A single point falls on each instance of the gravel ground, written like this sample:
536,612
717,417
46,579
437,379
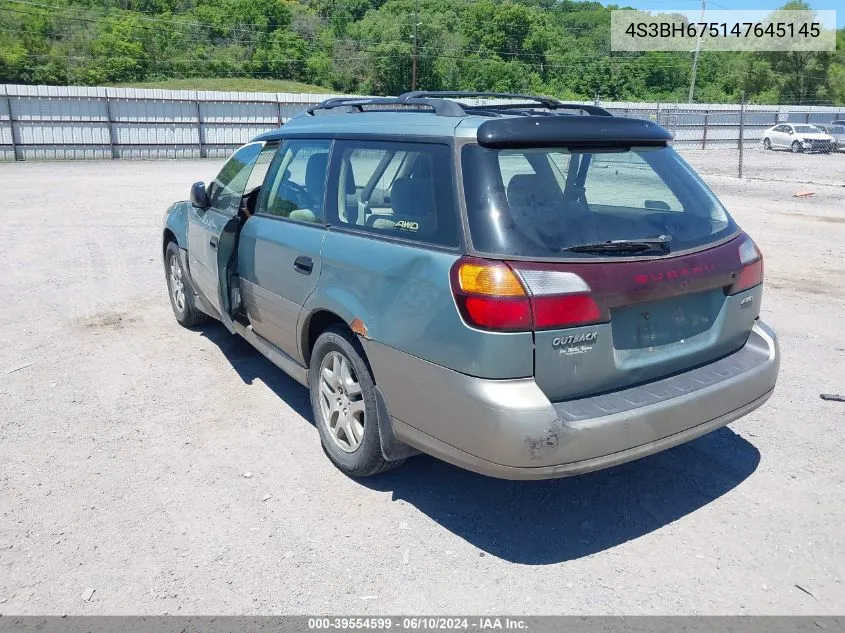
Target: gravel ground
774,165
145,468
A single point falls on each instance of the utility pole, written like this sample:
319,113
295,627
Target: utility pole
741,142
414,53
695,57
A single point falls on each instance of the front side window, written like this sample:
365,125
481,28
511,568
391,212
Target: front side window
397,189
258,175
296,183
542,202
225,191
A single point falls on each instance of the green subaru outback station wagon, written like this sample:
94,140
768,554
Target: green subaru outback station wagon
522,287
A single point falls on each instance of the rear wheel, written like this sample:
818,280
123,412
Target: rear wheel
767,144
180,289
796,147
343,399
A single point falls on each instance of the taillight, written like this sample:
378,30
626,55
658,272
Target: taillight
752,267
565,311
490,296
493,295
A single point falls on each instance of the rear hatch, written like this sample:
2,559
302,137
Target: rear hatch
631,268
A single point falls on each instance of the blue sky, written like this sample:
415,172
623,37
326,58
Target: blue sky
758,5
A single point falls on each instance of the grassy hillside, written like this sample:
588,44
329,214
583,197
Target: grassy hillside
555,47
228,84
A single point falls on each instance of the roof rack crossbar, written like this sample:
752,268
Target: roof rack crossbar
440,106
592,110
445,94
547,102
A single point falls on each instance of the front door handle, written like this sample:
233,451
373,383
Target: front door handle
213,243
303,264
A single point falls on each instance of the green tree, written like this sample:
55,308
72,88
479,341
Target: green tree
282,55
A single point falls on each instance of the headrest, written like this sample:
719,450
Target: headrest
412,197
528,190
315,175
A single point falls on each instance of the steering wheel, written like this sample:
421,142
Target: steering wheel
296,193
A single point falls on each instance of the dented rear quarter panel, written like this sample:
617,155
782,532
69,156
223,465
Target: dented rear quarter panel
401,293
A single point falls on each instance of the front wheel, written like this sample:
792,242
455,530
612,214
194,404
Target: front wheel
796,147
343,399
767,144
180,289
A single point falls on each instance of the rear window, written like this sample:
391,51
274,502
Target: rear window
540,202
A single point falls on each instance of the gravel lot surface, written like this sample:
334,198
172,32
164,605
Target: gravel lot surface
145,468
774,165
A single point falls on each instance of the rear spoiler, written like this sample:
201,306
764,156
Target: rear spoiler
571,131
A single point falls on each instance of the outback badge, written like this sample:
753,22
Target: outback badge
575,343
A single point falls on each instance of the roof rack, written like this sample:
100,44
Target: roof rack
441,102
545,102
440,106
451,94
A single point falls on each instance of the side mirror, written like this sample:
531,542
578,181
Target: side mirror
790,132
199,196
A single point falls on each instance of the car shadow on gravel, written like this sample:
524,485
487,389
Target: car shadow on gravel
538,522
545,522
249,364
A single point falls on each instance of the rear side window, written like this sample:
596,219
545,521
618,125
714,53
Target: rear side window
397,189
542,202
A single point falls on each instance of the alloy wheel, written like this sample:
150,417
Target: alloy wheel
177,284
341,402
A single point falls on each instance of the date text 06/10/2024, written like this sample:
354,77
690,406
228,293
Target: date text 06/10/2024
421,623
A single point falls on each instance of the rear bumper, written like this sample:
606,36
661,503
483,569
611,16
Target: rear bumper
509,429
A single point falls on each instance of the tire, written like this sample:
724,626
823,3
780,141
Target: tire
351,441
796,147
767,144
183,303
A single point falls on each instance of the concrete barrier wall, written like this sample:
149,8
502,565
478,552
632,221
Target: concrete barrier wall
70,122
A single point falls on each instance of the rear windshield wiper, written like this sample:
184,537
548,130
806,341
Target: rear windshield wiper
624,246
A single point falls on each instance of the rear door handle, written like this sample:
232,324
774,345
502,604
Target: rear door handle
303,264
213,243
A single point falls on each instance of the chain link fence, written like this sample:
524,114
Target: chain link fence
746,141
53,123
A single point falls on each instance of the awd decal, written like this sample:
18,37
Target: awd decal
407,225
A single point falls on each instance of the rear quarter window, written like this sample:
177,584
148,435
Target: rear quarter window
402,190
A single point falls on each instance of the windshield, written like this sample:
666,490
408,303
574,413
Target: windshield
541,202
835,129
807,129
